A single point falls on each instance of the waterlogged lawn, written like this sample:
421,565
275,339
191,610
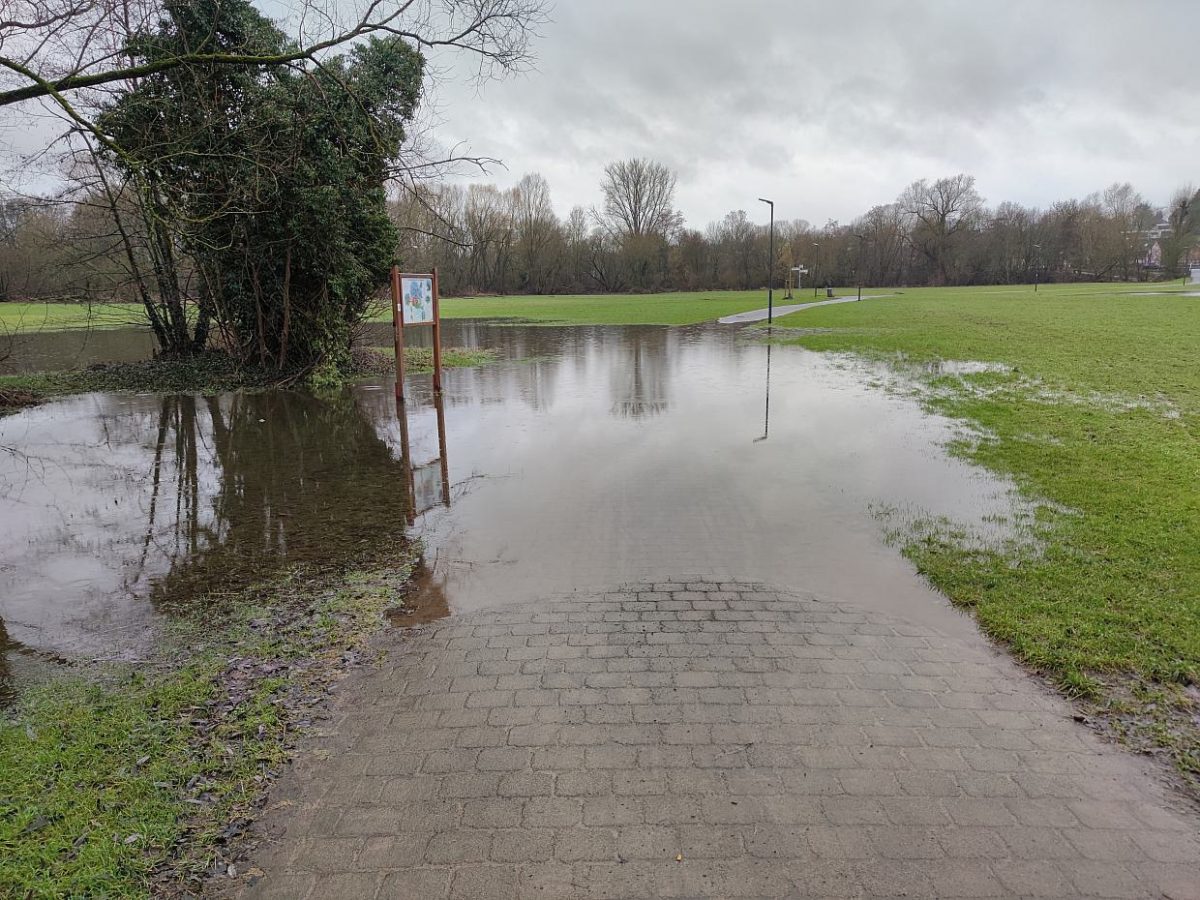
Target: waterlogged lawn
134,784
684,308
1095,409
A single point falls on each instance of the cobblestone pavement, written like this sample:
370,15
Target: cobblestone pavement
713,740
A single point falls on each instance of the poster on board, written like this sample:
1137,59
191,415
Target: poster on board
416,299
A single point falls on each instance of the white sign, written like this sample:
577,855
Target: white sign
416,300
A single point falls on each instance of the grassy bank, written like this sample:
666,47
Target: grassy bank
138,780
18,318
1093,408
682,308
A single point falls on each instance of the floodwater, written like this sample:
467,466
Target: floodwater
587,458
49,351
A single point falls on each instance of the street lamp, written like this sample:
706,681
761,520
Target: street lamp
770,265
816,266
1036,256
862,242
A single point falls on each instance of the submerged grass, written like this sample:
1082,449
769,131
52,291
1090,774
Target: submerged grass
138,779
419,360
1095,413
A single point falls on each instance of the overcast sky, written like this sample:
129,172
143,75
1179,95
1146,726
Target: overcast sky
830,107
826,106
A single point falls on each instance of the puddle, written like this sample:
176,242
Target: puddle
595,456
43,351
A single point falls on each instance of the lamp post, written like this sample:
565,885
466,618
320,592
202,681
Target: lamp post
816,266
770,265
862,242
1037,252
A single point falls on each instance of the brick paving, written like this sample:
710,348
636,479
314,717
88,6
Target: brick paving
698,739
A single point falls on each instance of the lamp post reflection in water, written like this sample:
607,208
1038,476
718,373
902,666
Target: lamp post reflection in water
767,408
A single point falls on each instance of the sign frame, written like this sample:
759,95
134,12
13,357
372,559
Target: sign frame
398,326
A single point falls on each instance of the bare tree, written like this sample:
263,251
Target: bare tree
51,48
537,231
938,212
639,198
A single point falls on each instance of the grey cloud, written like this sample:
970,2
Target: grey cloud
831,107
834,106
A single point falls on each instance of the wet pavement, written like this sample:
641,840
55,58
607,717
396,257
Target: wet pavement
704,739
761,315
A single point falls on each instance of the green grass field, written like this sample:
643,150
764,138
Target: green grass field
1099,414
18,318
604,309
675,308
582,309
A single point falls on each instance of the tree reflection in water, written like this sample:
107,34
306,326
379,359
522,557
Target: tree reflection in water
175,500
300,480
641,375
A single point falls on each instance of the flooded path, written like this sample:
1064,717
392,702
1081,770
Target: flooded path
639,452
592,456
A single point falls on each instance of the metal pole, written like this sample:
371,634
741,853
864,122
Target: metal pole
816,266
862,242
771,272
770,265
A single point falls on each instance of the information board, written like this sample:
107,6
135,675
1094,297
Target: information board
416,298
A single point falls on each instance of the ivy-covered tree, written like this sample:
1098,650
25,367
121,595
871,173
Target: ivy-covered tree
268,181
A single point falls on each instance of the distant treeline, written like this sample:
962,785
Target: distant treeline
485,240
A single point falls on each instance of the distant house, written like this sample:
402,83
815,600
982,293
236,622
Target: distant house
1153,238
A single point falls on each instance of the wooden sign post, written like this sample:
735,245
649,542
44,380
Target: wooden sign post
415,302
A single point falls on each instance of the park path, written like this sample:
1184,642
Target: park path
700,739
760,315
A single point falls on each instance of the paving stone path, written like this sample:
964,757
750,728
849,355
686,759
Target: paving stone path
760,315
696,739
